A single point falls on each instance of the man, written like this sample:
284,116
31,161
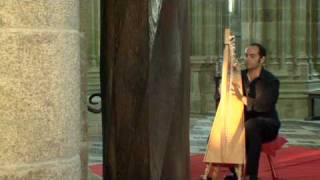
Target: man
260,94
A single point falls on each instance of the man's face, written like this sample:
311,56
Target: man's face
253,59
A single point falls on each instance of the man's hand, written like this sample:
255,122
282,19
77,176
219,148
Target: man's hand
236,90
237,93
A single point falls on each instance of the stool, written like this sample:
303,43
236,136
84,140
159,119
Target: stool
270,149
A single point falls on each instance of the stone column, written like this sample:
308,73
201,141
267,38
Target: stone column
295,69
287,60
222,22
260,24
40,90
208,20
301,38
95,31
91,25
145,89
315,38
271,31
286,36
209,27
258,31
85,60
246,24
197,26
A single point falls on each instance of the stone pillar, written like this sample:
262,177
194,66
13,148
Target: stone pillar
301,39
263,16
90,23
271,31
85,60
246,24
258,31
294,73
209,27
287,60
197,26
222,23
259,23
315,38
207,23
95,31
286,38
40,90
208,20
145,89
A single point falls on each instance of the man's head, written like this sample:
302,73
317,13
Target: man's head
255,56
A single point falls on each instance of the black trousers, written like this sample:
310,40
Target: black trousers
258,131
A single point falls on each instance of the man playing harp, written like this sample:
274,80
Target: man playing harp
258,92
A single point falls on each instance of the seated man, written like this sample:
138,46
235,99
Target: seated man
261,91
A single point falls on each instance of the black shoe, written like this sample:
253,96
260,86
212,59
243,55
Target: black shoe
231,177
253,177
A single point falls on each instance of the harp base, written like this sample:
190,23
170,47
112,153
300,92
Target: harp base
216,168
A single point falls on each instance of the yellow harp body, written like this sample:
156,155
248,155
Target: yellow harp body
226,143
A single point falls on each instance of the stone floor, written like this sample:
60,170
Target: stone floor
298,133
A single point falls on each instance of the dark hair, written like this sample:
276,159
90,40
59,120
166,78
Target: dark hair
262,50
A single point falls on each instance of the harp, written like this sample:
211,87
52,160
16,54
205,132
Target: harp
226,145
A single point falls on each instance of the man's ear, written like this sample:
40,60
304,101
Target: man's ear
262,59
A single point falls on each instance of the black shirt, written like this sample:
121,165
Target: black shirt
262,94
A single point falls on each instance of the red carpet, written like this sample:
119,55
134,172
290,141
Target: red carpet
292,163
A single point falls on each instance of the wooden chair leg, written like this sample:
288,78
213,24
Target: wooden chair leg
273,171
